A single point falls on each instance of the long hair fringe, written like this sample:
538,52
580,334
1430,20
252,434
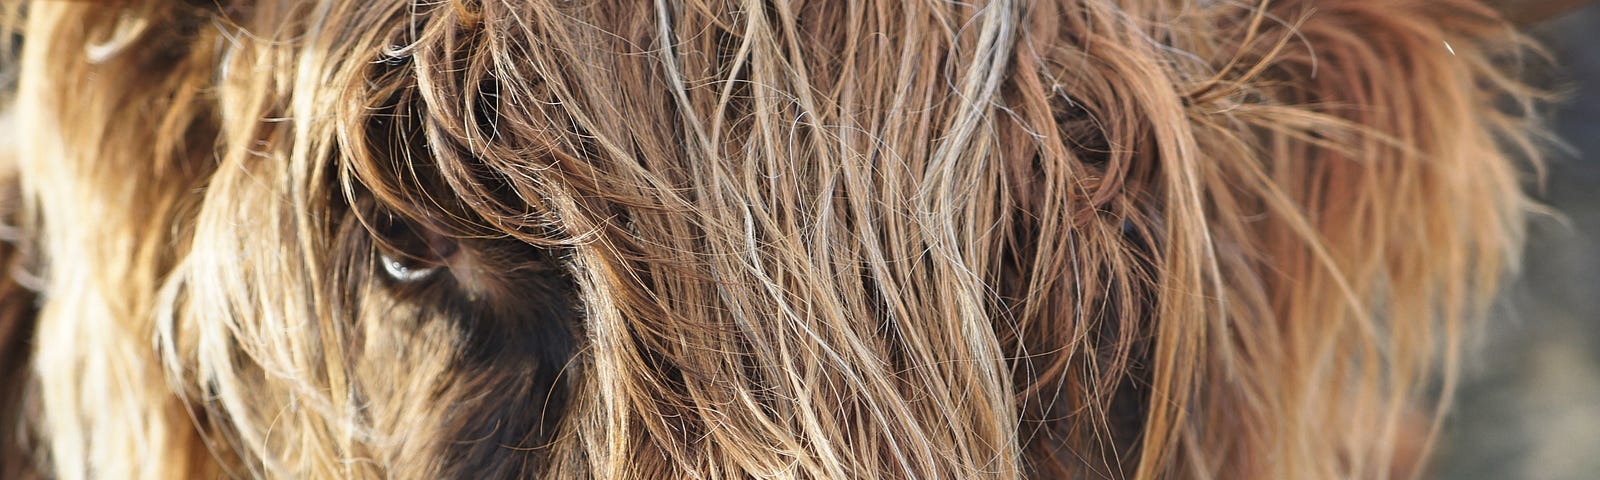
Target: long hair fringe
871,239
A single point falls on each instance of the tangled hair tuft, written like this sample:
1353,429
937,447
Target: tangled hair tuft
715,239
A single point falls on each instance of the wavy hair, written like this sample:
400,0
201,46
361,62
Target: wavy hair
726,239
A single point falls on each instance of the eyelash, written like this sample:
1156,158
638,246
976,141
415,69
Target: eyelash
409,254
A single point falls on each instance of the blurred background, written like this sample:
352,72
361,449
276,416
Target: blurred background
1529,407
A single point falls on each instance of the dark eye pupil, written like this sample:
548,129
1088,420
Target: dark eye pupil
409,253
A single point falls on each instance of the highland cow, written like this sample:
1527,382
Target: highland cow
729,239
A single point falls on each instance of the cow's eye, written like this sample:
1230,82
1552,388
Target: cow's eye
402,270
412,253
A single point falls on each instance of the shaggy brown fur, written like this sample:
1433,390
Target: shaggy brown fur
714,239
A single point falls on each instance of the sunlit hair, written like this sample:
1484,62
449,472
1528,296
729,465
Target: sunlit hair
716,239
